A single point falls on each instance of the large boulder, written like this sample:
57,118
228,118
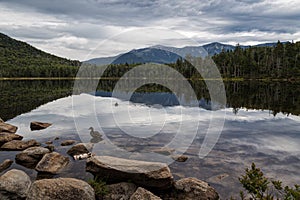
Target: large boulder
7,137
18,145
39,125
14,184
146,174
31,156
5,127
5,165
194,189
78,149
52,163
118,191
144,194
60,189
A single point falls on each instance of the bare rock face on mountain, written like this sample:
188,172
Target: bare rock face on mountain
60,189
14,184
18,145
145,174
39,125
144,194
31,156
5,127
52,163
7,137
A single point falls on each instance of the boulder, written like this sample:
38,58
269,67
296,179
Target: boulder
50,147
14,184
1,121
5,165
144,194
121,190
78,149
39,125
31,156
7,137
67,142
18,145
60,189
52,163
146,174
5,127
180,158
192,188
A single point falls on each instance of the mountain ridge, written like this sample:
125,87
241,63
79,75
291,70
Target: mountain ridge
135,56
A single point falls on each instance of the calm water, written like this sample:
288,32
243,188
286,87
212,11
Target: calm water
262,125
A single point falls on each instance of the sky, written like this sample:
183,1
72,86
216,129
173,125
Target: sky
83,29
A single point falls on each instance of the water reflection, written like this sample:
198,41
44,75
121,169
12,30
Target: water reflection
248,136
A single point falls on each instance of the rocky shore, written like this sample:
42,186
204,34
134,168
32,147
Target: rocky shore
125,179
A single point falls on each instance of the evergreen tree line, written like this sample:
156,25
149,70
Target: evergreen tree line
280,61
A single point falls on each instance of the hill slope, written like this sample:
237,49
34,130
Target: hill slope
19,59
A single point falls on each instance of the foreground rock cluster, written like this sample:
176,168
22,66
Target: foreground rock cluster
125,179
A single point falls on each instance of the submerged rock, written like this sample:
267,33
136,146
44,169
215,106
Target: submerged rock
121,190
39,125
192,188
5,127
5,165
14,184
78,149
7,137
18,145
52,163
180,158
60,189
67,142
31,156
146,174
144,194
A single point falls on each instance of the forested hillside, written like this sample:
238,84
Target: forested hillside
281,61
19,59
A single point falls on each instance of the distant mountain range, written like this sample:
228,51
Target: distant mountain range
165,54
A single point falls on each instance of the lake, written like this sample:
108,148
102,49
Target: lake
260,123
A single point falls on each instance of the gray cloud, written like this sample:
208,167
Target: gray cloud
68,27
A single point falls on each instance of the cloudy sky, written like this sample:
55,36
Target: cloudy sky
81,29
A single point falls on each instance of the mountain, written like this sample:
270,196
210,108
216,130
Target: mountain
19,59
216,48
146,55
165,54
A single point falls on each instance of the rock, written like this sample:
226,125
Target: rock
1,121
14,184
31,156
77,149
144,194
39,125
5,165
121,190
4,127
60,189
149,174
18,145
180,158
49,142
52,163
50,147
164,151
57,138
67,142
192,188
7,137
